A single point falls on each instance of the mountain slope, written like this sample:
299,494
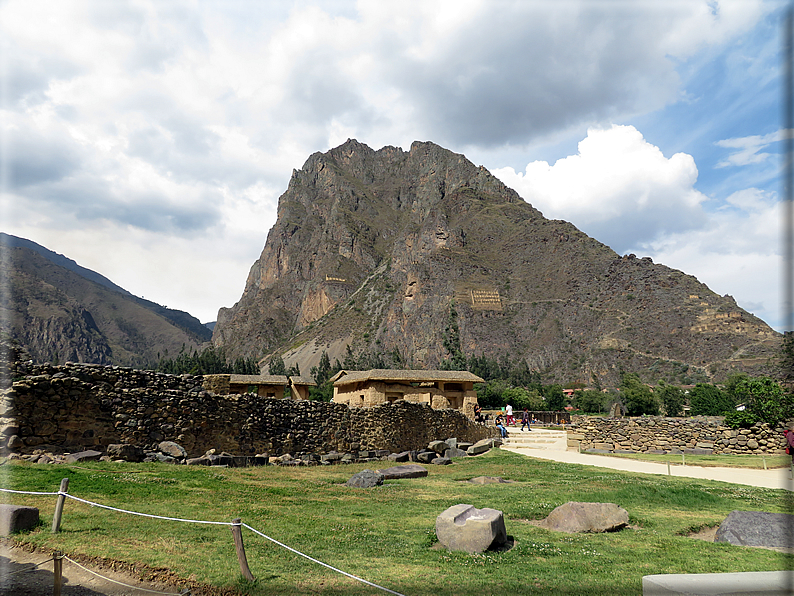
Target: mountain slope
58,314
371,248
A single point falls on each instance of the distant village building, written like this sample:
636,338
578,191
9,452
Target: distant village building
271,386
440,389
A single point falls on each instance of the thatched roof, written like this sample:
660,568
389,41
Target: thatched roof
258,380
302,381
345,377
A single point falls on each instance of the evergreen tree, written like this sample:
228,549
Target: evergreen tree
706,399
277,366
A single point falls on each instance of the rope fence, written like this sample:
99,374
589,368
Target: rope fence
234,525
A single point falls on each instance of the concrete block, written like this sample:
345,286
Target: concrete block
768,583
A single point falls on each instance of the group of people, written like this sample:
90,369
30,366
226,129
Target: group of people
508,420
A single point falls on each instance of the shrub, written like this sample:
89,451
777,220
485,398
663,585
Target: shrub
742,419
765,399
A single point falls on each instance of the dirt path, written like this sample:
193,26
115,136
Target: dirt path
19,577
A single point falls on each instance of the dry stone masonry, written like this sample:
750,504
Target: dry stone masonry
654,434
86,406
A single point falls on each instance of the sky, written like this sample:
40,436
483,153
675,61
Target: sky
150,141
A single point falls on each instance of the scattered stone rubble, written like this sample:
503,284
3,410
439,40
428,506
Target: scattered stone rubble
170,452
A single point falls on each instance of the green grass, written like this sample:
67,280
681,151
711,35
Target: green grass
386,534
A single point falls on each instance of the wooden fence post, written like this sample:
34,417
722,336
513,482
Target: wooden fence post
56,518
57,572
237,534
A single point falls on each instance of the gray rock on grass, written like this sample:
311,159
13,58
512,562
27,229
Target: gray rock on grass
489,480
757,528
172,449
406,471
482,446
438,446
365,479
573,517
88,455
466,528
15,518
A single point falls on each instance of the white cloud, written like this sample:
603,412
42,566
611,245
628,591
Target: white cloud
618,188
173,127
749,147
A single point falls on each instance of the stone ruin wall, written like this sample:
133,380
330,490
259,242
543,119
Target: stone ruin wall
73,407
657,434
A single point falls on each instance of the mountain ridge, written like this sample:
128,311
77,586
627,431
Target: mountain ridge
59,313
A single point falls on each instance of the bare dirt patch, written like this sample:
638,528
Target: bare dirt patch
28,571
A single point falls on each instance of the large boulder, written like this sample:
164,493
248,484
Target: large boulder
757,528
365,479
15,518
438,446
426,457
172,449
454,452
126,452
463,527
406,471
576,517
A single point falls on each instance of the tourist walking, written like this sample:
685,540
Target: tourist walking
525,420
509,414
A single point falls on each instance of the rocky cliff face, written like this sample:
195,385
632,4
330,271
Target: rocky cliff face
371,248
60,316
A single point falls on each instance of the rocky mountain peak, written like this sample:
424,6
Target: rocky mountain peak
371,248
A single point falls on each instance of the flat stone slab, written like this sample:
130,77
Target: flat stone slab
455,452
15,518
767,583
482,446
88,455
576,517
365,479
757,528
465,528
441,461
489,480
406,471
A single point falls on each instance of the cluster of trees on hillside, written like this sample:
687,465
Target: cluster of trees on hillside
209,361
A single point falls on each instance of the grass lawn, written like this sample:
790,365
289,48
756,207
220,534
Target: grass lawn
386,534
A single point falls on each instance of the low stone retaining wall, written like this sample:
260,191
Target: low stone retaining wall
78,406
655,434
